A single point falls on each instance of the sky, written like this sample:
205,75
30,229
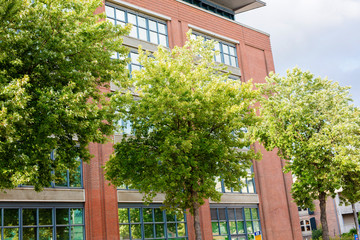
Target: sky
322,36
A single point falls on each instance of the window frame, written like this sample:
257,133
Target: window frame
37,206
247,180
148,18
142,223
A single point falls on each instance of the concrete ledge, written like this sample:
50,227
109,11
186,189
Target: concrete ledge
47,195
130,196
238,198
134,43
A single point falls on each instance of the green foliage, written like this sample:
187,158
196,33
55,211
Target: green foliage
315,129
316,234
53,56
188,121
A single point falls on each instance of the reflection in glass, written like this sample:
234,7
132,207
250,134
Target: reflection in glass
124,232
136,231
223,228
215,228
29,233
29,217
159,228
135,215
11,217
148,230
77,233
62,233
45,233
45,216
62,216
11,233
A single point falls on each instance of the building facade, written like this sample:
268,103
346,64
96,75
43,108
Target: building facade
83,205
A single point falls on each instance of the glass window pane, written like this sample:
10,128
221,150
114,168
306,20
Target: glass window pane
149,230
29,217
152,25
239,213
120,23
225,48
227,59
77,233
256,226
233,61
251,185
247,214
232,227
232,51
62,233
215,228
136,231
223,228
213,213
11,234
142,34
76,215
123,215
75,177
240,227
124,232
135,215
162,28
154,37
45,216
142,22
133,32
160,230
109,11
11,217
62,216
120,15
180,217
254,213
46,233
132,18
181,229
217,58
61,178
147,215
163,40
222,215
29,233
134,57
249,227
231,213
171,230
158,215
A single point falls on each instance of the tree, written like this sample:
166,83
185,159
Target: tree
188,121
313,126
53,56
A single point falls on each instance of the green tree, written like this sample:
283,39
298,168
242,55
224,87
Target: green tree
188,121
311,123
53,56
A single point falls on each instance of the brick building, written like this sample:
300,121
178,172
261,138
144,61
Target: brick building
84,206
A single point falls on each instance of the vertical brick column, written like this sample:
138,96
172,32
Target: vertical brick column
205,222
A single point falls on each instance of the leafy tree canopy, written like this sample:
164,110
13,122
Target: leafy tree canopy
188,120
315,129
53,56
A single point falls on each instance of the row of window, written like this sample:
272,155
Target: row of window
143,27
61,222
234,222
249,186
155,31
42,223
213,8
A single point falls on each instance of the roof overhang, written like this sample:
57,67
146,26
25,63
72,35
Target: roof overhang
239,6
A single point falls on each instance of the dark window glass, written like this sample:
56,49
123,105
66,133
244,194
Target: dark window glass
151,223
11,217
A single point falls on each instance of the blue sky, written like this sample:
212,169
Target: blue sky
322,36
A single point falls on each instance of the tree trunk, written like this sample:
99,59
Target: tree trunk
355,219
323,219
197,226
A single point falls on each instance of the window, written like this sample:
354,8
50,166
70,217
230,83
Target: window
305,226
234,222
66,178
213,8
45,222
227,51
150,222
144,27
249,186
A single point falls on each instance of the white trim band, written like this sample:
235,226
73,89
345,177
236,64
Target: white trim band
140,9
212,34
